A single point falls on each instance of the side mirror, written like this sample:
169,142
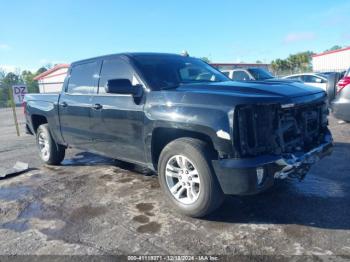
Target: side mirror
122,86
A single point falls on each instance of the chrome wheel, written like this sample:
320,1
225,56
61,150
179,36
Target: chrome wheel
44,146
182,179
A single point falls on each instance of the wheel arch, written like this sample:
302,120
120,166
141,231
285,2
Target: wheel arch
162,136
38,120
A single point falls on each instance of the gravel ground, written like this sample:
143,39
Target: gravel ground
94,205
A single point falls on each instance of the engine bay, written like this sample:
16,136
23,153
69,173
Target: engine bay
272,129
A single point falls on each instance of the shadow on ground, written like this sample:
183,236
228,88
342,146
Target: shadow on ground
91,159
321,200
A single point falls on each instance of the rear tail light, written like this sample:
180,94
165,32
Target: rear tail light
340,88
342,83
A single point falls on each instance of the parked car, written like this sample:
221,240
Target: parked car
326,81
248,74
205,135
341,104
341,73
312,79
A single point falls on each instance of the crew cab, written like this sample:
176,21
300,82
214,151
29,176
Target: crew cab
205,135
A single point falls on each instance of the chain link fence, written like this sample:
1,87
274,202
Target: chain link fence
4,97
282,73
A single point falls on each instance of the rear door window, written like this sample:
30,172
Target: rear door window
83,78
312,79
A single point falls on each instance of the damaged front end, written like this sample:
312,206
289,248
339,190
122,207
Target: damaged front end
295,136
273,141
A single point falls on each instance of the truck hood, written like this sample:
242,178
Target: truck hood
271,88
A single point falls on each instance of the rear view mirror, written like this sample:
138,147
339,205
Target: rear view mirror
122,86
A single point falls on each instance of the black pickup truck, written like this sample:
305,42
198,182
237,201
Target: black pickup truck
204,134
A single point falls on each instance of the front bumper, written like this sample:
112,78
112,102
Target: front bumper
240,176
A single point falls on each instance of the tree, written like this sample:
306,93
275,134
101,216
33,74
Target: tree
7,82
2,74
335,47
28,79
41,70
258,62
299,62
2,98
11,79
14,78
280,65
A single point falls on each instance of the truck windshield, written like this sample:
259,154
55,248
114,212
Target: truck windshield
170,71
260,74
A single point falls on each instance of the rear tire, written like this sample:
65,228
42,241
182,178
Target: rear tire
187,178
50,152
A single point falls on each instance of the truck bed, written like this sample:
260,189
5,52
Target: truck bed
53,98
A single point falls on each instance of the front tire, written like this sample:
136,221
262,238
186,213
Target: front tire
187,178
50,152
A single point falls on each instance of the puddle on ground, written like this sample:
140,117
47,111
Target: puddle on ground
36,176
125,180
86,158
17,226
141,219
152,227
106,177
32,210
318,186
14,193
150,214
154,183
75,223
144,207
87,212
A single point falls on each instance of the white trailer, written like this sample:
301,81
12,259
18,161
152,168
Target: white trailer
335,61
51,81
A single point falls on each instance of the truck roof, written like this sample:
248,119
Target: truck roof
127,54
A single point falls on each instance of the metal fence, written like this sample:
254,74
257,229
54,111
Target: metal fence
5,99
282,73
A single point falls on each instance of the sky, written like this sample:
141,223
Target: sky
34,33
